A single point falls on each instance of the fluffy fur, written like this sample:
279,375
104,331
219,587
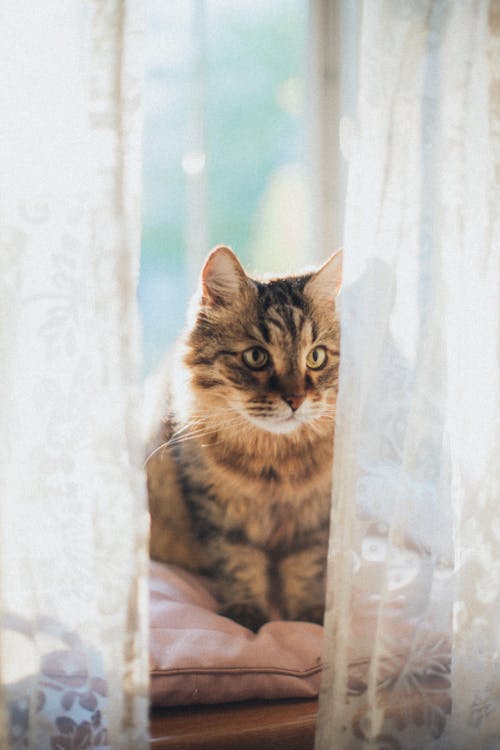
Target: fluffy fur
239,470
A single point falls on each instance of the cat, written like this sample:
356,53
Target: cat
239,469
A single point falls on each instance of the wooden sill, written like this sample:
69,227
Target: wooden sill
266,725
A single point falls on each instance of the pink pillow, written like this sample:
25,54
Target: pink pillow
198,656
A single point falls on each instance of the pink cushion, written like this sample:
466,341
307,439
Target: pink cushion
197,656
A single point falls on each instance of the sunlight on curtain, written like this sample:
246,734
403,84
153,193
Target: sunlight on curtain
413,643
73,520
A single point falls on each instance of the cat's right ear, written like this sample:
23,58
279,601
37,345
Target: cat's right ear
222,277
324,285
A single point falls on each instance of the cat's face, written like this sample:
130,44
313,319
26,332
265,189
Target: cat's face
267,353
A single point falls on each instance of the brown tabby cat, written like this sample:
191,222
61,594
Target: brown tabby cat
239,472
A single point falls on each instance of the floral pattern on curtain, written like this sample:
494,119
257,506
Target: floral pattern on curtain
413,643
73,516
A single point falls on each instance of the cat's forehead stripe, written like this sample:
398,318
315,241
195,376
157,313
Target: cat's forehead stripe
285,324
289,316
282,292
264,330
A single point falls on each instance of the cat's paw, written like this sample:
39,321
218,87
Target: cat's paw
249,615
313,613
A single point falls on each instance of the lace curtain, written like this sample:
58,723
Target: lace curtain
412,624
73,520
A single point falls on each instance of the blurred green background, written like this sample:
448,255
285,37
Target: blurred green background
230,75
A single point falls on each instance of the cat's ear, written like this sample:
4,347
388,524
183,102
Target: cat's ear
222,277
324,285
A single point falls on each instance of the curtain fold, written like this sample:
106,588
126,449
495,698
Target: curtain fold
73,515
412,639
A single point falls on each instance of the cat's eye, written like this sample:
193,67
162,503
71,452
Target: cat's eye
316,359
256,358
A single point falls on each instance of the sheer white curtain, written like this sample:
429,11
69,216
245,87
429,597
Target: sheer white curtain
73,520
412,627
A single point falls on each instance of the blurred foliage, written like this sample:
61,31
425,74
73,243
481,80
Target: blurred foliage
255,60
250,134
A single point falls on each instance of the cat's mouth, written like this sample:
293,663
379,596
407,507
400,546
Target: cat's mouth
279,425
278,418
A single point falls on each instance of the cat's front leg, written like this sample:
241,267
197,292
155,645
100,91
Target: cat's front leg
302,579
242,573
172,538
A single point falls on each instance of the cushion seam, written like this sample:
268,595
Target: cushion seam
237,670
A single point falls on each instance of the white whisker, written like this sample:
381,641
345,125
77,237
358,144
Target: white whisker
197,434
191,431
154,452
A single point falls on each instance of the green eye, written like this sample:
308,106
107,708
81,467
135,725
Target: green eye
256,358
316,359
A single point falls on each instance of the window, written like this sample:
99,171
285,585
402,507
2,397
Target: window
225,148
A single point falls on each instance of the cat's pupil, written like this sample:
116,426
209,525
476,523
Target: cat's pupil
315,355
255,355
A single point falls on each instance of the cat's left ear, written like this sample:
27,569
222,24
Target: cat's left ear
222,277
324,285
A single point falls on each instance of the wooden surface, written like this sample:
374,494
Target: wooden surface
255,725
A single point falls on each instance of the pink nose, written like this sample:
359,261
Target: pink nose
294,401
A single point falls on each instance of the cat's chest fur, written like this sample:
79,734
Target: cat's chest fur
272,500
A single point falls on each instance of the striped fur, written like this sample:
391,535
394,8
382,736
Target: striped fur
239,481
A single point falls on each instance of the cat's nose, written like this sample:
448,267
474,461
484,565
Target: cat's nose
294,401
